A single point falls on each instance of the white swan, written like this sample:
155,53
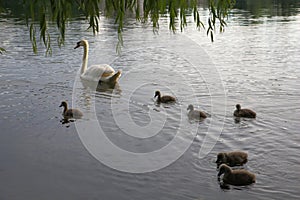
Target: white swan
101,73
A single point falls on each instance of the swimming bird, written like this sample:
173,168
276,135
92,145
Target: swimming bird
195,114
232,158
101,73
70,113
164,99
243,112
238,177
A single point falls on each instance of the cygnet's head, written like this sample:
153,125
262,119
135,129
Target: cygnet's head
221,158
190,107
238,106
224,169
157,93
63,104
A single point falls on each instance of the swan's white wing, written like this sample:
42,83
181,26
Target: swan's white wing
98,72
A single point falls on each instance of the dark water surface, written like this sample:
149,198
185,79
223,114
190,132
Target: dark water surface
254,63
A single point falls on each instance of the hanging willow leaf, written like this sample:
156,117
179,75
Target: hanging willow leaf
58,12
33,38
2,50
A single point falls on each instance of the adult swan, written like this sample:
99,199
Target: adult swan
102,73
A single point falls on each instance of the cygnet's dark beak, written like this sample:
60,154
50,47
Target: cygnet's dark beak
60,105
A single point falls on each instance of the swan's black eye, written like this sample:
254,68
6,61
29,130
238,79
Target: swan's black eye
78,43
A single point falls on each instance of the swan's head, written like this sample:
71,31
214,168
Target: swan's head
63,104
81,44
238,106
157,94
190,107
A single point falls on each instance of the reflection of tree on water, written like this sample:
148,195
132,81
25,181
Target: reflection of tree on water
258,8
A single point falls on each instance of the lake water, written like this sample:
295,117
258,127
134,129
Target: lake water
164,154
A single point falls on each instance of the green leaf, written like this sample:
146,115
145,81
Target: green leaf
39,14
2,50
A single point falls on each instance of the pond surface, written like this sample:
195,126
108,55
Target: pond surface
254,63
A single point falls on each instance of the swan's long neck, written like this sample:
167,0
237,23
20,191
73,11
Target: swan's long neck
85,57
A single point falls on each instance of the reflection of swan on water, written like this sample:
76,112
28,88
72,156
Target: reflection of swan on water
104,74
102,86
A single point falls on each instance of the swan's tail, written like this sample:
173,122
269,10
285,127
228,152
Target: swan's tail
114,78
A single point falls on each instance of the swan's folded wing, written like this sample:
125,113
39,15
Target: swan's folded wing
96,72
